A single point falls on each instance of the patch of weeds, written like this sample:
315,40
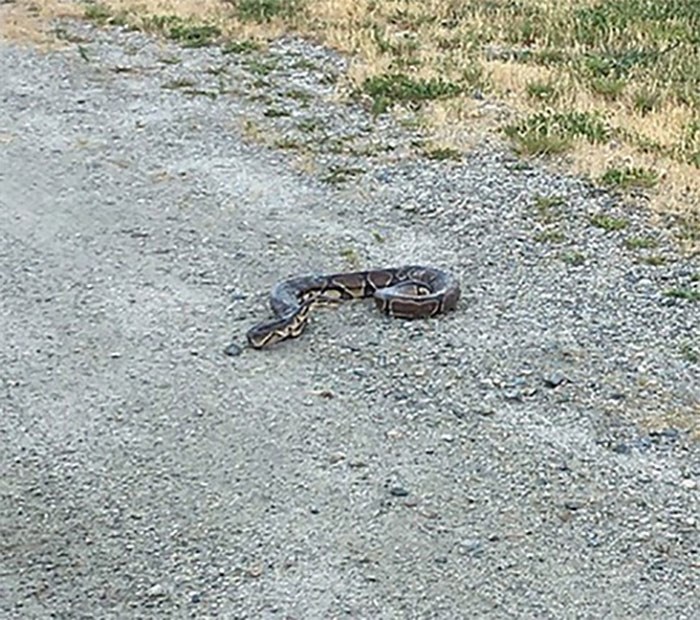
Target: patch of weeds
170,60
609,88
240,47
640,243
350,256
689,353
304,64
542,91
97,12
443,154
179,83
82,50
275,112
185,32
653,260
340,174
261,67
683,292
391,88
646,100
607,222
299,95
628,177
200,92
573,258
262,11
308,125
547,206
552,132
550,236
378,237
289,144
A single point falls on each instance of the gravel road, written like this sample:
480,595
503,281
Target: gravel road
529,455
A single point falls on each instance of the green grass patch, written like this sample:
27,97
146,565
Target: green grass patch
690,353
640,243
552,132
653,260
262,11
607,222
340,174
240,47
683,292
573,258
187,33
443,154
545,92
550,236
627,177
391,88
275,112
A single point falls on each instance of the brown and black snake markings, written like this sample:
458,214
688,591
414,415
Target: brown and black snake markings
408,292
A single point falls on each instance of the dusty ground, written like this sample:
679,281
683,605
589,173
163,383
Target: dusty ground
529,455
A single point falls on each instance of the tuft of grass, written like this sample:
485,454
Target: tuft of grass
177,83
545,92
608,87
550,236
640,243
547,206
350,256
628,177
690,353
245,46
186,32
683,292
340,174
653,260
275,112
263,11
607,222
443,154
391,88
573,258
550,132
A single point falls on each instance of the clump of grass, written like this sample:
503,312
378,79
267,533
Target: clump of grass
641,243
653,260
545,92
391,88
690,353
240,47
442,154
180,82
187,33
548,206
629,177
262,11
609,88
340,174
550,236
550,132
573,258
683,292
607,222
103,15
275,112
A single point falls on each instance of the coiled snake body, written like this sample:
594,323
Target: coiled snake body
407,292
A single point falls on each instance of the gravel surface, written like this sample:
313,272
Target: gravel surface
528,455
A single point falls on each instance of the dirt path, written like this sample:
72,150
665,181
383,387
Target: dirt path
529,455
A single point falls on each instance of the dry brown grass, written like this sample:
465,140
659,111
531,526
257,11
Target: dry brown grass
468,42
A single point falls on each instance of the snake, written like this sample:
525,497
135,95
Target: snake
406,292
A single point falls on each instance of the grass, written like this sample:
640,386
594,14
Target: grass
607,222
683,292
596,81
627,177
